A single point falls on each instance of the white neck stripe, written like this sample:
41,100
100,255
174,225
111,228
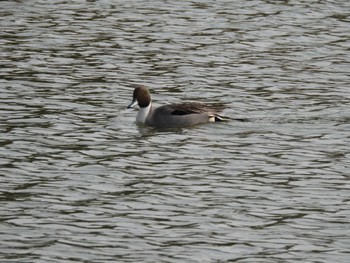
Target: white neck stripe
143,114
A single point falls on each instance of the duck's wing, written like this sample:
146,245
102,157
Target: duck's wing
193,108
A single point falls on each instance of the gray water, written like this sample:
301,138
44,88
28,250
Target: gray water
82,182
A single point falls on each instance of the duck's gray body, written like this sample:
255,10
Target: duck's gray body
179,115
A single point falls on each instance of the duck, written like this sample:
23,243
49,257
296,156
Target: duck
177,115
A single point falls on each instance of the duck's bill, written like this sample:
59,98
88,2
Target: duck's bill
132,104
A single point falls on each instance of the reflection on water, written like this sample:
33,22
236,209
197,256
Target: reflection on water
80,181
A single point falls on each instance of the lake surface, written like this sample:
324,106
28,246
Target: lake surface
82,182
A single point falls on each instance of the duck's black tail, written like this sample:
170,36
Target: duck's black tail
219,118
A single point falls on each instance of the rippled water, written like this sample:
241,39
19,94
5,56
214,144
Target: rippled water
81,182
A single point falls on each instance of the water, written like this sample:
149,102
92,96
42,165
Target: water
81,182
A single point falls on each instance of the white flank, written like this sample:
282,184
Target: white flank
211,118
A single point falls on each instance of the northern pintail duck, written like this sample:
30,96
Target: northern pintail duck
172,115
